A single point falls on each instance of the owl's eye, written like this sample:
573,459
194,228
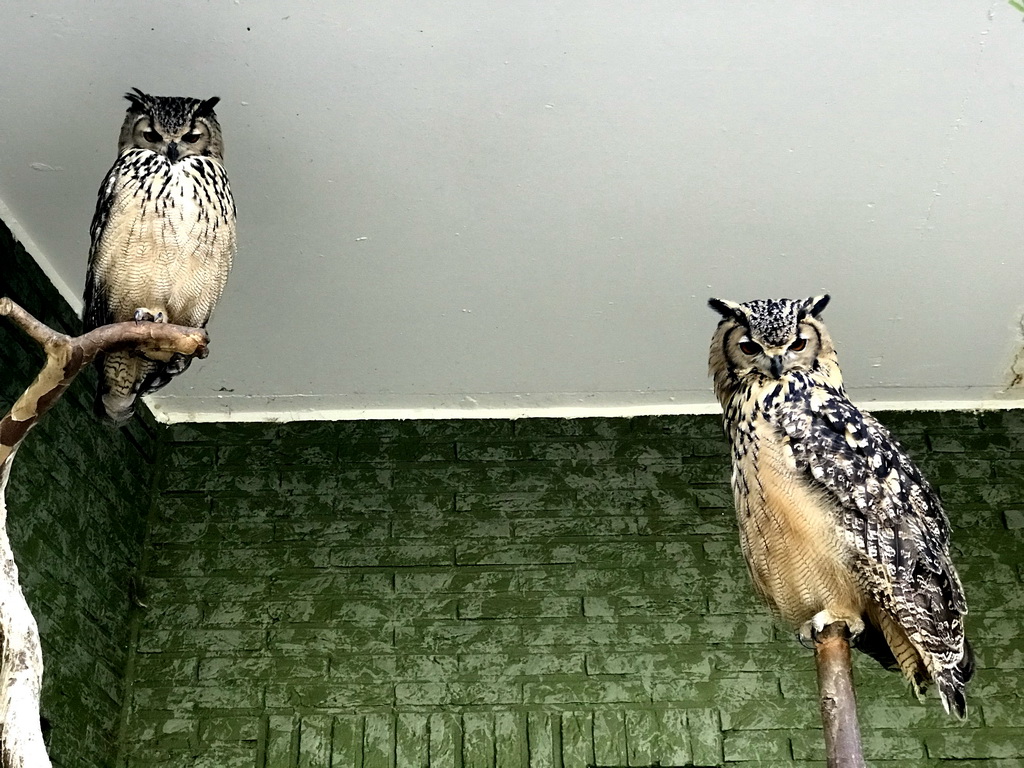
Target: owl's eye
191,137
798,345
750,347
152,136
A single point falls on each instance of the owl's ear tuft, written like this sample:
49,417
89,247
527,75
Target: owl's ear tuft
730,310
815,305
138,99
205,109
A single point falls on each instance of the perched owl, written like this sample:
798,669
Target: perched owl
163,237
836,522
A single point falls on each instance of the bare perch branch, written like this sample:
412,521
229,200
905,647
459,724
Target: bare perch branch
67,356
21,660
838,701
37,331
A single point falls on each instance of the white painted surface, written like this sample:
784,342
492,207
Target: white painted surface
485,208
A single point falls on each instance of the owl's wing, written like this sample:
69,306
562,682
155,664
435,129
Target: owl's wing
97,308
894,524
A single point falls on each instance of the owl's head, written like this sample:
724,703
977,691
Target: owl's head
173,126
769,338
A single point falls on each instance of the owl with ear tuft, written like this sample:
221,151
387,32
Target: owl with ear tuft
836,522
163,238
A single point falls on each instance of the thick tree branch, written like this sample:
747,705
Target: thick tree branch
21,661
838,702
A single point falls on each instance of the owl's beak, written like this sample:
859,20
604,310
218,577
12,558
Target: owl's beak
172,151
775,366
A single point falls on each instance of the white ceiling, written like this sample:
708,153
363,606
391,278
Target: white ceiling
522,207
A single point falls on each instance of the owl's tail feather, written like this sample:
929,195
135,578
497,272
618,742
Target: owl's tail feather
161,374
951,682
872,642
121,375
113,409
125,377
920,672
901,650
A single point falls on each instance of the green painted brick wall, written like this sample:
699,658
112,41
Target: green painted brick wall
540,593
78,498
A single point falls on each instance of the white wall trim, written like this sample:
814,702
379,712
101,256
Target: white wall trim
169,416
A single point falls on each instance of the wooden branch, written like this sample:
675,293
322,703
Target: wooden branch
838,701
21,659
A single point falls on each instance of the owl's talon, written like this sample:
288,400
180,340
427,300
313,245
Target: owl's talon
810,630
144,315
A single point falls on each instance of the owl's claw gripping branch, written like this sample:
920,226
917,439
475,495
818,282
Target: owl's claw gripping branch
66,356
21,664
143,315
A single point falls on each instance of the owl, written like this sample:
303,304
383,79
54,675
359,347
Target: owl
163,238
836,522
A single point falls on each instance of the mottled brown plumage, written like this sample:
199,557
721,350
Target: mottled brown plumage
163,237
836,522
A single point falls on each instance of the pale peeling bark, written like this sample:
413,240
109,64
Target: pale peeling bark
21,659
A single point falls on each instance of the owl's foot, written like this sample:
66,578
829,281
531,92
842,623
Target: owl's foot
144,315
809,630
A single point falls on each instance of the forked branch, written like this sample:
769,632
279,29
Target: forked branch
21,660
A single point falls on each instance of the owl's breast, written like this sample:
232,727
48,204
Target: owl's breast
168,237
795,550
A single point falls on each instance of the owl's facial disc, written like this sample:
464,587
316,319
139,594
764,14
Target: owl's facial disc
773,361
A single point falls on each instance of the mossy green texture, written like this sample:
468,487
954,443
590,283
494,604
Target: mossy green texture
563,593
